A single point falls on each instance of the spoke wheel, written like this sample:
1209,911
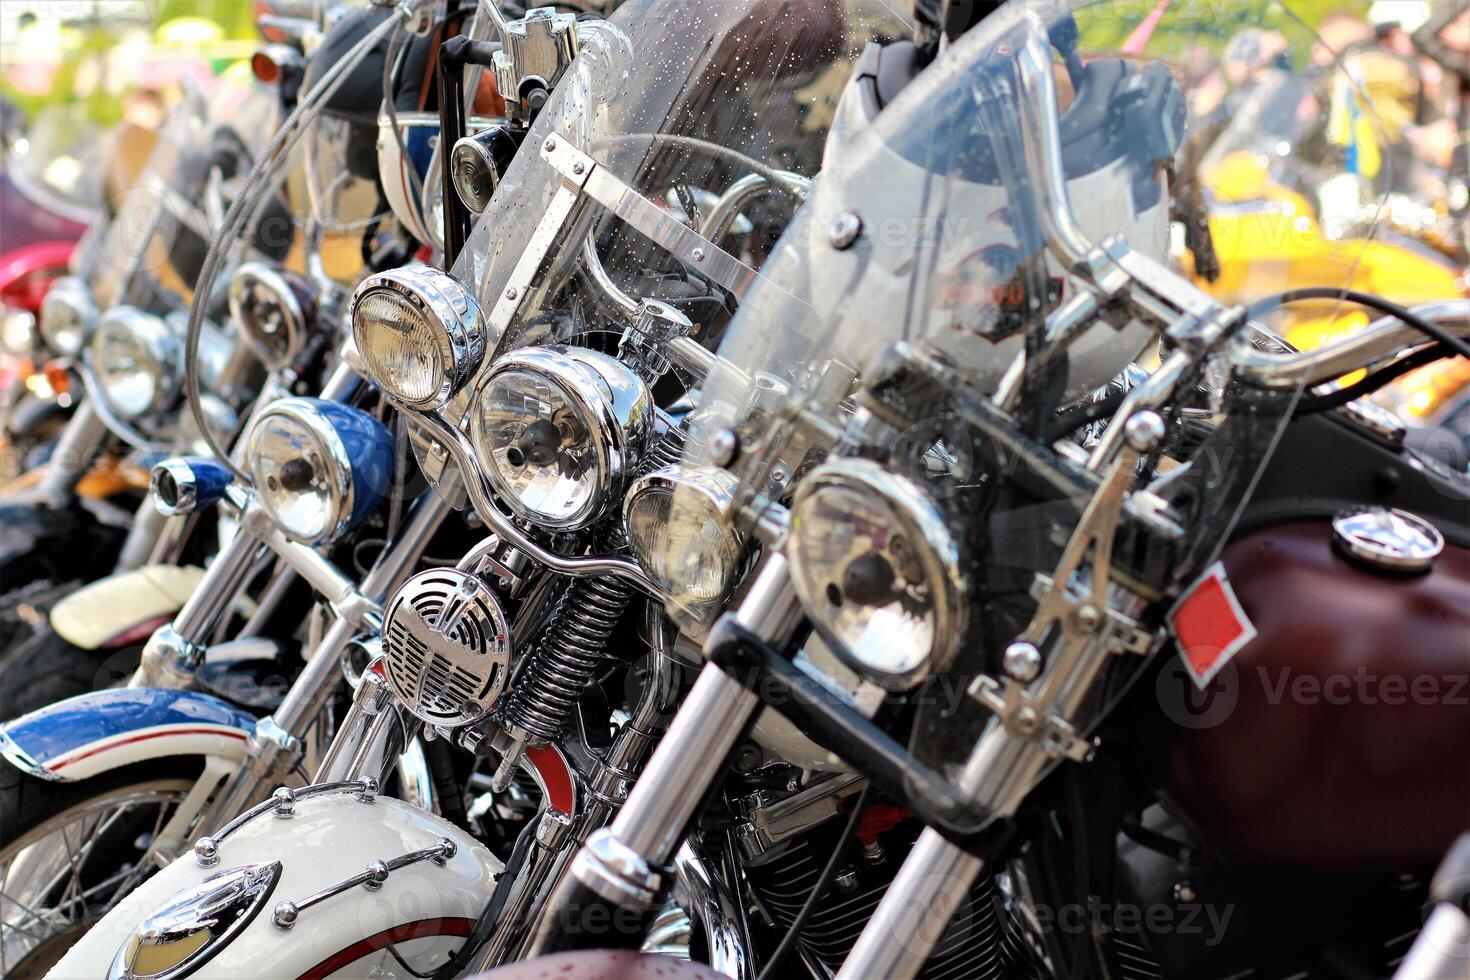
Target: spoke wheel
68,870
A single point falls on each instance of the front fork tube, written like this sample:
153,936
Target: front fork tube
274,749
174,652
614,878
84,434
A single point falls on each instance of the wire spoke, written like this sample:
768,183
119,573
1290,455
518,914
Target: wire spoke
41,895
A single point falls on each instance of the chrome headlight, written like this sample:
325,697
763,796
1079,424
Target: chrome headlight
878,571
678,526
318,466
556,429
273,309
420,332
68,315
138,359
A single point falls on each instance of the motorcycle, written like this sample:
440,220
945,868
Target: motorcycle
563,739
1027,619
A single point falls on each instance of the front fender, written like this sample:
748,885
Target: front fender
423,909
92,733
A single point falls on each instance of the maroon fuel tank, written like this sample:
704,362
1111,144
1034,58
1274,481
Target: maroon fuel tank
1347,746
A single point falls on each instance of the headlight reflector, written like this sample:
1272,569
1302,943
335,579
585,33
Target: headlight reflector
318,466
273,309
137,359
420,332
678,529
878,571
68,315
556,429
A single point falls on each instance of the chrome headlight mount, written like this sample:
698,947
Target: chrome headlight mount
878,571
68,316
319,467
273,309
557,430
420,332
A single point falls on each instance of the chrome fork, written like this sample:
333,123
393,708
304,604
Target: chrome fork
617,866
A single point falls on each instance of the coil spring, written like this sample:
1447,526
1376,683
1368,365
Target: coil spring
565,661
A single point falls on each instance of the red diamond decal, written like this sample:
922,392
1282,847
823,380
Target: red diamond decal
1209,625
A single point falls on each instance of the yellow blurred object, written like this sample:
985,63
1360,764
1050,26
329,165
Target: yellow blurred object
1268,240
188,32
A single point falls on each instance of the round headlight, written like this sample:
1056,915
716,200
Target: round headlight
420,332
878,571
679,530
67,316
318,466
556,429
480,161
272,308
137,359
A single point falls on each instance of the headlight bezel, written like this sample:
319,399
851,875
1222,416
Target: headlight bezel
933,547
611,402
69,293
160,345
454,320
356,450
712,486
259,282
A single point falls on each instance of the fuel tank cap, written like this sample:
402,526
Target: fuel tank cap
1394,540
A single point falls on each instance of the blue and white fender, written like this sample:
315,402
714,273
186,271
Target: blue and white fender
93,733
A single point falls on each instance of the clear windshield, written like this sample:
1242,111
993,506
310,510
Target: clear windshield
714,113
57,161
154,246
926,310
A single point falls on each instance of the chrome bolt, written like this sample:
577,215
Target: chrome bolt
846,879
1144,430
1088,618
723,446
285,801
511,293
447,850
697,254
579,167
1022,661
1026,720
549,145
379,874
369,791
471,709
844,230
206,852
284,917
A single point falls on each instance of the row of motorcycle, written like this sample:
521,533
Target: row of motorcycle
751,488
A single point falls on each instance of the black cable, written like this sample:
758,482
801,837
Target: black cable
1071,419
1370,383
404,963
818,889
1433,330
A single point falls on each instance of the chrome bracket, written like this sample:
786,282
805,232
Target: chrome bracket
371,877
659,226
283,804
